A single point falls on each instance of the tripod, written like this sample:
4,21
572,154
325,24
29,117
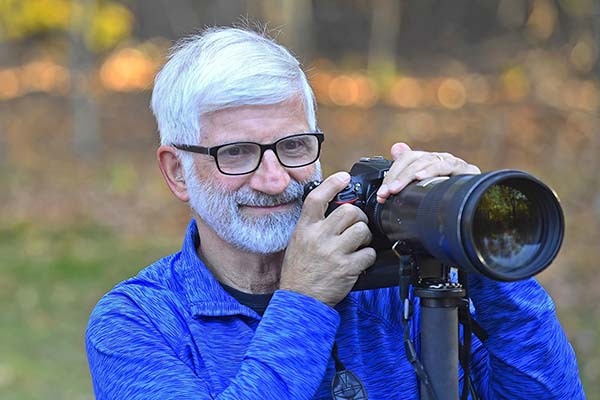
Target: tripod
440,299
439,338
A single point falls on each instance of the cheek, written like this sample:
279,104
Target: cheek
229,183
232,184
303,174
214,177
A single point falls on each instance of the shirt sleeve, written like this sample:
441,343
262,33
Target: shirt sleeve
286,359
527,355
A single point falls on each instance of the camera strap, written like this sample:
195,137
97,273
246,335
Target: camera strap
464,353
345,385
470,326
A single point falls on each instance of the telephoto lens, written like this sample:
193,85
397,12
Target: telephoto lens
505,224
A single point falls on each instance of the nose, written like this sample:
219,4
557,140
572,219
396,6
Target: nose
271,177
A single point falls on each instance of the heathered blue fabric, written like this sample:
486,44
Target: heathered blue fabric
172,332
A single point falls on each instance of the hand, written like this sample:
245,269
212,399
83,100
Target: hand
412,165
325,255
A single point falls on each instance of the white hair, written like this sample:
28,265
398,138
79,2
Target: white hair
223,68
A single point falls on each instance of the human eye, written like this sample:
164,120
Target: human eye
232,151
236,152
297,145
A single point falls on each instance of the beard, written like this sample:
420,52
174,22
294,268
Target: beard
223,211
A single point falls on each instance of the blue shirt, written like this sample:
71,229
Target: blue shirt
172,332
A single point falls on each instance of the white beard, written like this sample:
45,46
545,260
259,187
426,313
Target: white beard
222,211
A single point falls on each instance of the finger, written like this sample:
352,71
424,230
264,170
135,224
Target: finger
357,235
399,148
397,170
428,165
448,165
317,201
432,161
424,165
361,259
470,169
404,160
345,216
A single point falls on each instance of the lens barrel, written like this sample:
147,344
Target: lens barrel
505,224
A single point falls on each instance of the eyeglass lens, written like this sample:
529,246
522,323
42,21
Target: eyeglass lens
295,151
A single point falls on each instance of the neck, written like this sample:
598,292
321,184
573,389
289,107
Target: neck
239,269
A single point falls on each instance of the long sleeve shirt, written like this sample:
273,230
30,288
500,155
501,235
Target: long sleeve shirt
172,332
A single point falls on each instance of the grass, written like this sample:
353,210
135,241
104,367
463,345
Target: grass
50,279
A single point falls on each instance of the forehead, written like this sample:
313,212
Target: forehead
257,123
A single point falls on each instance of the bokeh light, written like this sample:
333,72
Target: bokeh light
452,94
515,84
128,69
406,92
542,20
9,83
584,54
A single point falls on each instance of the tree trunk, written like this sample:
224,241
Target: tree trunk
86,138
385,26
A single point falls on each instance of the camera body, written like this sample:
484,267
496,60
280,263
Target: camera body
366,177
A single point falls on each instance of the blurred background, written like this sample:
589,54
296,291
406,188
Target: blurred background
501,83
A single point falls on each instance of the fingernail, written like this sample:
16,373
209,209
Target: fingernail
342,177
420,174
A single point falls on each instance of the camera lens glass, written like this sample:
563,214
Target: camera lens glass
507,228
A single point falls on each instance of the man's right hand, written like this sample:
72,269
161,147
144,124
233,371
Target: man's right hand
325,255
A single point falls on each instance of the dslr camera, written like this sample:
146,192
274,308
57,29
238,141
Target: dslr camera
504,224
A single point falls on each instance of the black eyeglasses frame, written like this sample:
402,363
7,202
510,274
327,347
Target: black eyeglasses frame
212,151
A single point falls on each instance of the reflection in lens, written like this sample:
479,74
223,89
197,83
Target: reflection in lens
507,228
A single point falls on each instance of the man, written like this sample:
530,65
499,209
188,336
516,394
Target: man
256,305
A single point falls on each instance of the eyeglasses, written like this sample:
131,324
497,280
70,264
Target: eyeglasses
242,158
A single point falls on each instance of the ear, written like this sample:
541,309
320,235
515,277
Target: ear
172,170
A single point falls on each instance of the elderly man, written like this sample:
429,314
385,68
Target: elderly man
257,304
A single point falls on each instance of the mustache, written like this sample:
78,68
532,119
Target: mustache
246,196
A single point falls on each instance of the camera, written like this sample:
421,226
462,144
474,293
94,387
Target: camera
506,224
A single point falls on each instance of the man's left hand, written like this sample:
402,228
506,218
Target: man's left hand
410,165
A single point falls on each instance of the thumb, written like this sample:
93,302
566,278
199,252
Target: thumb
317,201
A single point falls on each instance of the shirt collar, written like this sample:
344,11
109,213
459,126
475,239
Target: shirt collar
205,295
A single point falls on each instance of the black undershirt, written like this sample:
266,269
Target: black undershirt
257,302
